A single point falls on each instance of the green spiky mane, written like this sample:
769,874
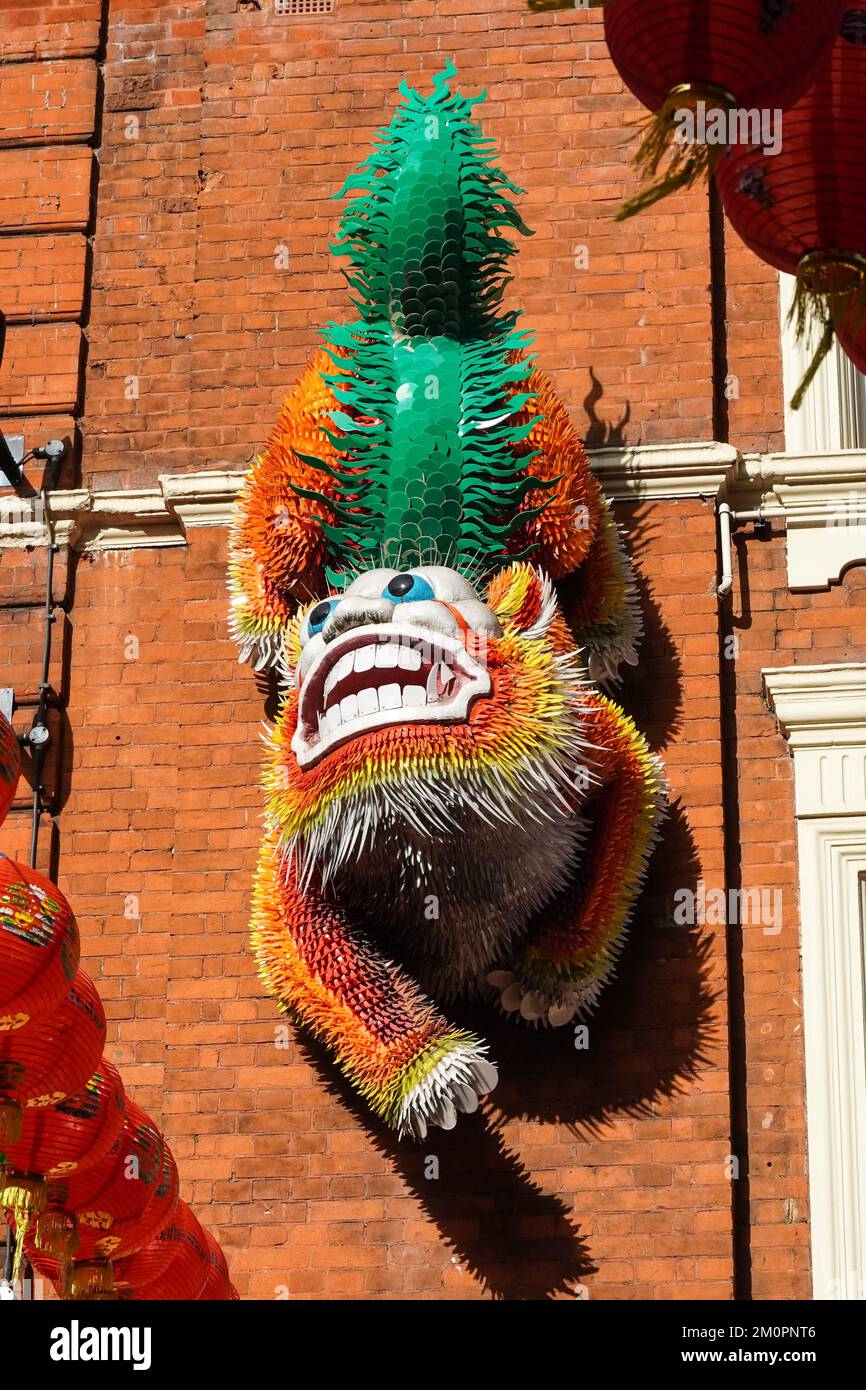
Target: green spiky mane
427,434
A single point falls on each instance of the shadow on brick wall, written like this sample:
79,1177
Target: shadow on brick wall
496,1208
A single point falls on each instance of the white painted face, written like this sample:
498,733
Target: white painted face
397,647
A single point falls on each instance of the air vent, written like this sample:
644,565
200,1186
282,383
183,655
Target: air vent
290,7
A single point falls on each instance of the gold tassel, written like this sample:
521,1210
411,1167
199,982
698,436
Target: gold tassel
11,1120
55,1233
830,295
24,1197
89,1280
689,161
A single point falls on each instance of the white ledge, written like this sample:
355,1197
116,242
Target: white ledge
122,518
821,498
664,470
819,707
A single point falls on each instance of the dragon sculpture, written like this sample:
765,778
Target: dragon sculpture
454,809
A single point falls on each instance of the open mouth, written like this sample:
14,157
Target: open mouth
383,675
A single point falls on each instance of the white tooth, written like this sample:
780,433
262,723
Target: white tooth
365,658
387,655
413,696
349,708
368,700
389,697
323,726
342,669
334,720
408,659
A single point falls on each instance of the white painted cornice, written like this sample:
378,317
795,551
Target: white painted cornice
662,471
202,499
819,707
820,497
88,519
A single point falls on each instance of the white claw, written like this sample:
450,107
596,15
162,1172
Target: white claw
532,1005
466,1099
485,1076
500,978
560,1014
511,998
446,1116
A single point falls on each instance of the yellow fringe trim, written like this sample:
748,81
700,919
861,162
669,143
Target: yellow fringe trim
24,1197
55,1233
92,1279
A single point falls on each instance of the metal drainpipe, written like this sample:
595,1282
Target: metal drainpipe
737,1069
38,736
728,519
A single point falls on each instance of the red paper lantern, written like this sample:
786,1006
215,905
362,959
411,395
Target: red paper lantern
762,52
10,765
803,210
731,55
219,1287
39,945
73,1134
122,1202
50,1058
57,1140
176,1265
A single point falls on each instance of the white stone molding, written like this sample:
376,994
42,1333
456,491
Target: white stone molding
122,518
820,497
89,519
662,471
822,711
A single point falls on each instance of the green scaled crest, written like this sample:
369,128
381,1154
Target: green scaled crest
431,454
423,233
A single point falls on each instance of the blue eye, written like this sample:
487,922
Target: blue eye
318,616
408,588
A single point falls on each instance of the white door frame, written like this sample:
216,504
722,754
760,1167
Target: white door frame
822,711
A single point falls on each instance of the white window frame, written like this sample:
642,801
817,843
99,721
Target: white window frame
833,415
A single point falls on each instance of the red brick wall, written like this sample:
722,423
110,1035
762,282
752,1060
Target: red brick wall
221,133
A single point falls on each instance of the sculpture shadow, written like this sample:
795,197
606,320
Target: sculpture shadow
602,434
649,1039
652,691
